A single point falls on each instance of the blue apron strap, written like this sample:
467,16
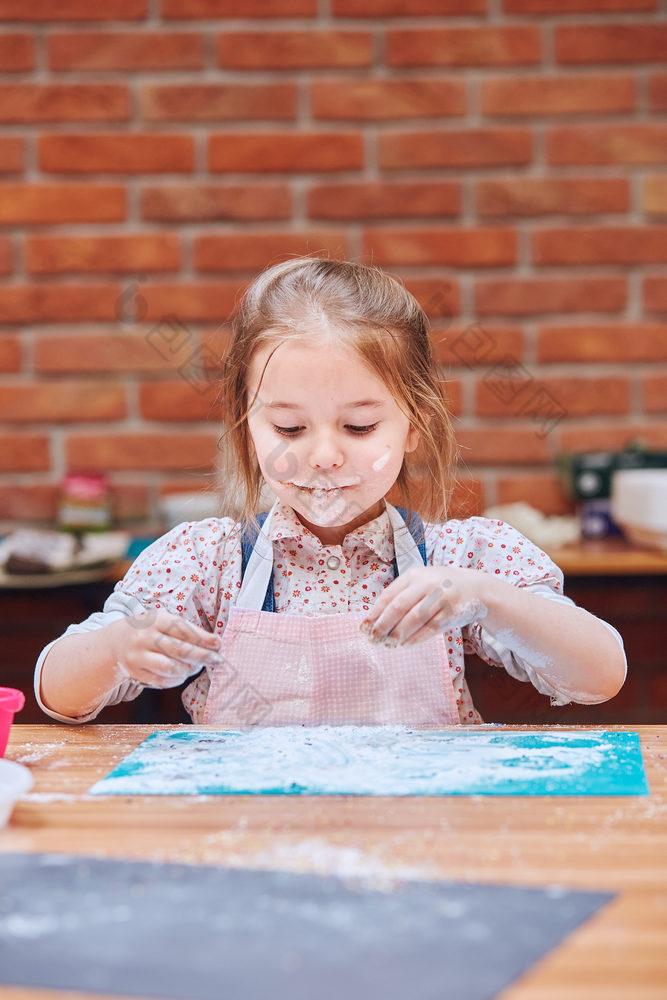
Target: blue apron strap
415,527
247,545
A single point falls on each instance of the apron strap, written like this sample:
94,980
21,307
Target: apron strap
248,540
415,527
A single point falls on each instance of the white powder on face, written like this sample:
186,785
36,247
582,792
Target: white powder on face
380,462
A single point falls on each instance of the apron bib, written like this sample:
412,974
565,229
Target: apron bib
320,669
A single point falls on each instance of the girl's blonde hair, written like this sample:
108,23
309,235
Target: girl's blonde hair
366,310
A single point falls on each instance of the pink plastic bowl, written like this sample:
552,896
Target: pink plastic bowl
11,701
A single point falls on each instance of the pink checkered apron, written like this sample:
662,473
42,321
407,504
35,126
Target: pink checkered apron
300,669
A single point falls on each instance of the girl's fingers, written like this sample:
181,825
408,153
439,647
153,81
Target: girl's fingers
179,628
163,622
407,612
179,649
161,671
428,609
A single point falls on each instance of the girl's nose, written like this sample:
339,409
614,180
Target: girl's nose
326,453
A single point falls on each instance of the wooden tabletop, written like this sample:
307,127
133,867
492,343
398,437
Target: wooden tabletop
609,557
609,843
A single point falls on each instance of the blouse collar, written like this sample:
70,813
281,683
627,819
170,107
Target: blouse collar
377,535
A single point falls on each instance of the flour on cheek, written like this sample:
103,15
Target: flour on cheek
380,462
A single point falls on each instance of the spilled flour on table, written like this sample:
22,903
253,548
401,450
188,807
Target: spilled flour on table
379,760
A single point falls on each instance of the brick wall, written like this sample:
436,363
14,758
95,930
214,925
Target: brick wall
506,158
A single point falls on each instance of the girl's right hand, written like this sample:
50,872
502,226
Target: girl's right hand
161,650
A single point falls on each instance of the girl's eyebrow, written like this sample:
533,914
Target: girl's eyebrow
278,405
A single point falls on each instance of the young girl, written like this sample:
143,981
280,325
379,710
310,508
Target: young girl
343,609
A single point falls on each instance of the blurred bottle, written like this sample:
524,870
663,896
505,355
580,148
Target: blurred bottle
85,502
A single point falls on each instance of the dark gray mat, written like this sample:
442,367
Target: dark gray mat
203,933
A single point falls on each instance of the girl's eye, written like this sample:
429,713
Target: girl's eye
362,430
287,431
293,431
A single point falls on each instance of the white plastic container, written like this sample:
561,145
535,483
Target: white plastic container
639,505
15,781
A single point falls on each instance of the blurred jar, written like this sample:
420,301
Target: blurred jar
85,502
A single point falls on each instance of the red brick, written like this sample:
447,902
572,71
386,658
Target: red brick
658,92
541,490
456,148
610,43
6,264
565,95
45,204
552,196
102,351
407,8
12,155
29,503
92,51
129,153
608,436
259,50
73,10
192,302
467,499
574,6
454,395
493,445
385,200
379,100
17,53
219,102
506,46
186,9
600,245
253,251
655,393
477,345
58,303
444,247
60,402
655,294
130,502
286,152
654,195
437,298
75,254
179,400
522,394
532,296
57,102
625,144
215,202
10,354
143,452
24,452
597,342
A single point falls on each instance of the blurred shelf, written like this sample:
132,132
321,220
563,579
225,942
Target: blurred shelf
609,557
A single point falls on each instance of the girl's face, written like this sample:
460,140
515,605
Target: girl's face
328,434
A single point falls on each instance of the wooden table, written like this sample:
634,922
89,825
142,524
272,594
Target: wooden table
617,844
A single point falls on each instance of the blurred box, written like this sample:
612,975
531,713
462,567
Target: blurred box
587,476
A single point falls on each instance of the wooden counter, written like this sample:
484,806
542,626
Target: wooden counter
617,844
609,558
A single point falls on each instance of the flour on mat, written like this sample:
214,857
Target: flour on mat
379,760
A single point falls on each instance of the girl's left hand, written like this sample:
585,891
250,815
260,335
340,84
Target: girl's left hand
422,602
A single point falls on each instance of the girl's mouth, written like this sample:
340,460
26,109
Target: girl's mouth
320,490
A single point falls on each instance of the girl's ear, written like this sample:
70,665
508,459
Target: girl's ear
413,438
